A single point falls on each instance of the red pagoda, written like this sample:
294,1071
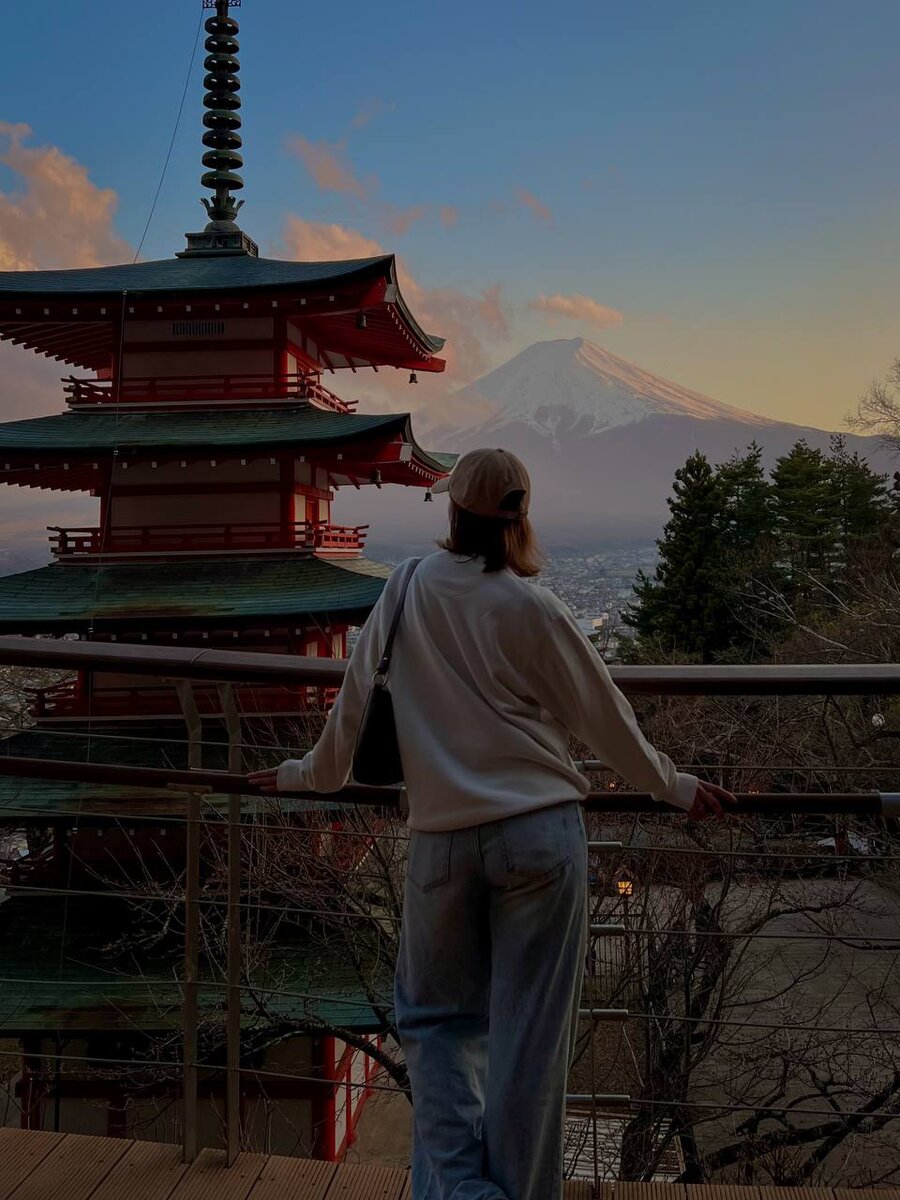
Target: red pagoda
198,416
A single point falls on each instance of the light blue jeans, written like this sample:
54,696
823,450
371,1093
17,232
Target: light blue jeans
487,992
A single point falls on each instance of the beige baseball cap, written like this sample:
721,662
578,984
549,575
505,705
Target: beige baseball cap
483,479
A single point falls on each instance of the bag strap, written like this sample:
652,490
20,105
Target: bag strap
385,661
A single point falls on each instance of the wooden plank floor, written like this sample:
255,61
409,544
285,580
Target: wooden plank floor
62,1166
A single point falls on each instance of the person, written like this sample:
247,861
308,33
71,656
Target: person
490,676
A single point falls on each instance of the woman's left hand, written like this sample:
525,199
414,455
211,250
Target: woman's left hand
711,801
266,781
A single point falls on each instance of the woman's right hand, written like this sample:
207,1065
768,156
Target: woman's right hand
266,781
711,801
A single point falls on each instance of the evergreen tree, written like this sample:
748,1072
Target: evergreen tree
863,503
806,510
737,544
748,502
683,607
750,550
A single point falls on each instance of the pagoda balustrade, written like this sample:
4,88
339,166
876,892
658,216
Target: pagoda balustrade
76,699
299,387
139,540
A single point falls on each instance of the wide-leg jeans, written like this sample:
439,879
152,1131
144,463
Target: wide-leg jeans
487,991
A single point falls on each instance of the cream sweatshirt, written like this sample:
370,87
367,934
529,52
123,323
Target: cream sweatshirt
489,677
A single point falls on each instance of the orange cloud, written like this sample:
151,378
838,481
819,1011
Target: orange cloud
400,220
327,165
58,218
577,308
316,241
540,211
54,217
469,323
331,172
369,111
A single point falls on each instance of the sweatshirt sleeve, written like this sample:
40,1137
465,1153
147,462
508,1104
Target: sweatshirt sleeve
572,682
326,768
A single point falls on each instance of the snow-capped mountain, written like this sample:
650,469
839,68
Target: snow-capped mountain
601,437
576,388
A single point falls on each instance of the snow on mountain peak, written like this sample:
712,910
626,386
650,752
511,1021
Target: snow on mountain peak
576,387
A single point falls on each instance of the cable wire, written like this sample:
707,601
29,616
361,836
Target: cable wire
889,941
633,1101
165,166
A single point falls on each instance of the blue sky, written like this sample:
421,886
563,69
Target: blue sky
724,176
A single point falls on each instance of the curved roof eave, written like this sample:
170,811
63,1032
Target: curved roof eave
213,274
429,341
441,464
216,274
209,594
92,431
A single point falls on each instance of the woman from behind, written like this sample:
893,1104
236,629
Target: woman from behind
490,677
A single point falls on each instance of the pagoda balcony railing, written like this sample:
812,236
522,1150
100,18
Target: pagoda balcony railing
187,389
76,699
142,540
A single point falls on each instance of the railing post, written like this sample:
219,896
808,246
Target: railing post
233,926
190,1011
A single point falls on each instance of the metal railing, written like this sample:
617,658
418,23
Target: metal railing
619,867
241,537
865,679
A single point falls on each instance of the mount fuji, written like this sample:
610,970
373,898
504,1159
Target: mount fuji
573,389
601,437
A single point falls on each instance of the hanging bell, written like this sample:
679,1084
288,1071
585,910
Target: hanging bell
413,377
361,321
429,499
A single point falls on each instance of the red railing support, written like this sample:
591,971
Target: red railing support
296,386
181,539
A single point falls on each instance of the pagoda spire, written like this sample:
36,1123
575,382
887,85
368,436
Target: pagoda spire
222,120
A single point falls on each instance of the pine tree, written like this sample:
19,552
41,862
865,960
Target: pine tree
683,607
736,545
863,503
806,510
750,550
748,502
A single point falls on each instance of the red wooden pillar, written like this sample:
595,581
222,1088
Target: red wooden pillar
286,501
324,1108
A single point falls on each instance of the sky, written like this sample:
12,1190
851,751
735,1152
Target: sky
708,188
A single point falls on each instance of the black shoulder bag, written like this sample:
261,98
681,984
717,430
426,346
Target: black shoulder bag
376,759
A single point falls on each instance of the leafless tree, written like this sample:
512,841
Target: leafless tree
745,974
878,412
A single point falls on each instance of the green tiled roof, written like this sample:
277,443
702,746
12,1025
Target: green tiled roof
217,274
446,461
118,596
91,980
94,430
300,428
163,746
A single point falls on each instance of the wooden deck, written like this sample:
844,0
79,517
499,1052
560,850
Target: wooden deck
35,1165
